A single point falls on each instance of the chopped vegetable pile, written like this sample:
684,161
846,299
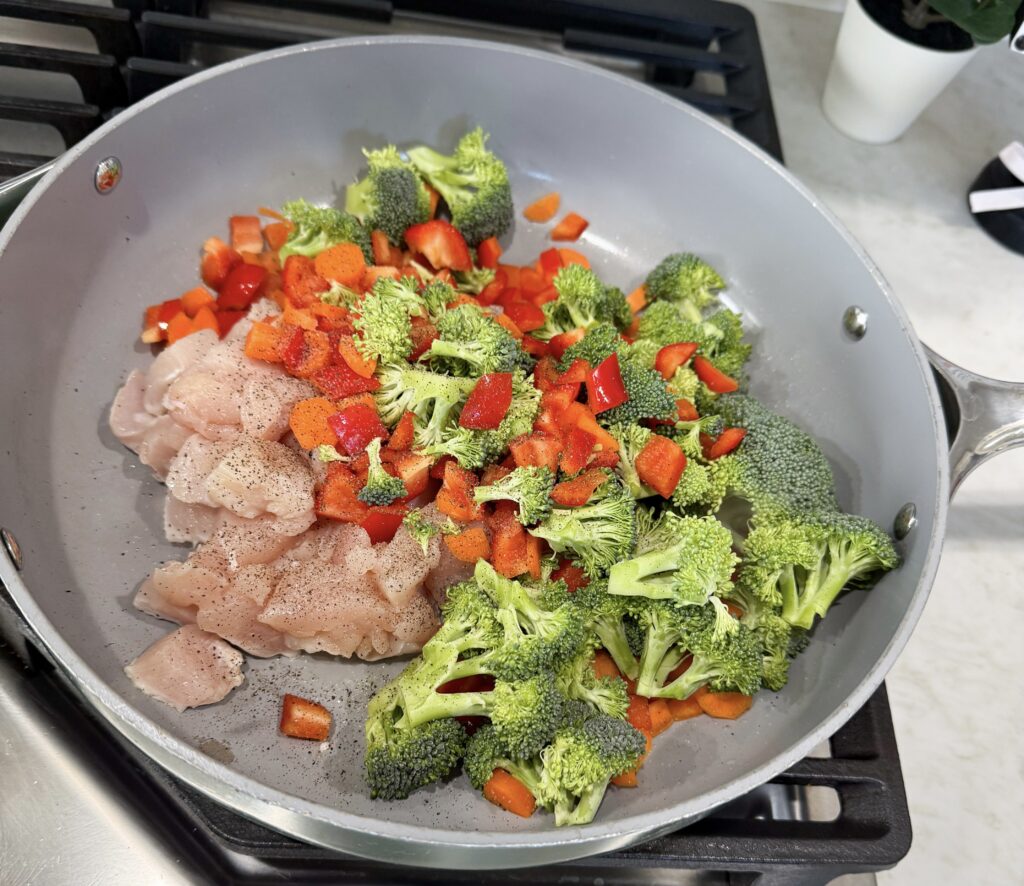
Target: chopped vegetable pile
648,542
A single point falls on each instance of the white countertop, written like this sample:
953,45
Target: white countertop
957,691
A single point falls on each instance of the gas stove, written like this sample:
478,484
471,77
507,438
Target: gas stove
78,803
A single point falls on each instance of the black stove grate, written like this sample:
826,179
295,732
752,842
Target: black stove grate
704,52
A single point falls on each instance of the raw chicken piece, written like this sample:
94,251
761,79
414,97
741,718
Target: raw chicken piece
128,417
161,444
184,522
187,668
170,363
234,615
402,566
178,590
195,461
267,403
258,476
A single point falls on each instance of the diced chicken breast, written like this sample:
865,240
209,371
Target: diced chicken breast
187,668
267,403
171,362
161,444
234,616
256,477
128,417
190,469
402,566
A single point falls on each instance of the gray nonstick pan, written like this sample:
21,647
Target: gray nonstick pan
834,350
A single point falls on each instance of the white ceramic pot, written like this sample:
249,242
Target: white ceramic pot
879,83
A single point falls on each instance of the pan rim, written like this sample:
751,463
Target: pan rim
294,815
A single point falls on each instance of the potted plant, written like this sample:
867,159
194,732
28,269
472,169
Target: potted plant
893,57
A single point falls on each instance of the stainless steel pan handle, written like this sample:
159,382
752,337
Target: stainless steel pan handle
984,416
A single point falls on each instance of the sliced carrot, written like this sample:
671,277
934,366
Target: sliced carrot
684,708
179,326
470,545
276,234
263,342
300,317
725,705
343,263
510,794
569,228
308,422
302,718
637,299
543,209
196,298
604,665
625,779
359,364
205,318
661,716
572,257
508,540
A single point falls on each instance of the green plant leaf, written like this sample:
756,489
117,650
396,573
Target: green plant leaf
987,21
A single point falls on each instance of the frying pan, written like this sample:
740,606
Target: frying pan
653,176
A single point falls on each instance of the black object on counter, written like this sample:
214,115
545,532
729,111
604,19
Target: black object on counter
1005,226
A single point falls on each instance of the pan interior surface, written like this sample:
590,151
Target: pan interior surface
651,176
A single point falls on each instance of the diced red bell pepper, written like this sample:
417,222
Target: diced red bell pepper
246,234
218,259
687,411
578,446
414,471
339,381
531,282
574,577
578,415
671,357
227,319
560,343
605,389
660,464
545,373
455,498
536,450
509,551
438,468
576,492
441,244
576,374
475,683
242,286
493,473
488,402
727,441
716,380
491,293
338,498
156,318
356,426
526,316
300,281
306,353
547,422
548,293
382,522
550,262
559,397
507,323
402,435
534,346
604,458
489,252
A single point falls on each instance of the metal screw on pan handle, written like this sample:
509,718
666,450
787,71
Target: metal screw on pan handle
991,417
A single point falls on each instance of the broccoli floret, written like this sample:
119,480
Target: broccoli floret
316,228
474,281
632,439
648,397
804,563
642,352
474,449
597,345
724,344
529,487
685,278
420,528
474,184
719,337
400,760
384,320
576,680
580,763
326,453
652,532
684,384
391,197
434,399
486,752
726,655
597,535
697,563
612,620
437,295
694,489
381,488
777,468
688,433
583,302
472,343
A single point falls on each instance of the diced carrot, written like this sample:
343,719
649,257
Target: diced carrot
569,228
572,257
205,318
625,779
543,209
413,470
534,554
508,540
639,714
271,213
300,317
196,298
493,473
276,234
604,665
510,794
661,716
301,282
302,718
603,459
179,326
687,411
263,342
373,273
455,499
383,252
359,364
660,465
725,705
576,492
338,498
536,450
245,233
343,263
469,545
308,422
637,299
684,708
402,435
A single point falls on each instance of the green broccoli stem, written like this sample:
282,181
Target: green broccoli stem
613,638
823,585
649,575
696,675
657,645
437,706
584,810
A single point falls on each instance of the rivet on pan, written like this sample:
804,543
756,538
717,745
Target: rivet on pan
108,174
11,546
906,520
855,322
